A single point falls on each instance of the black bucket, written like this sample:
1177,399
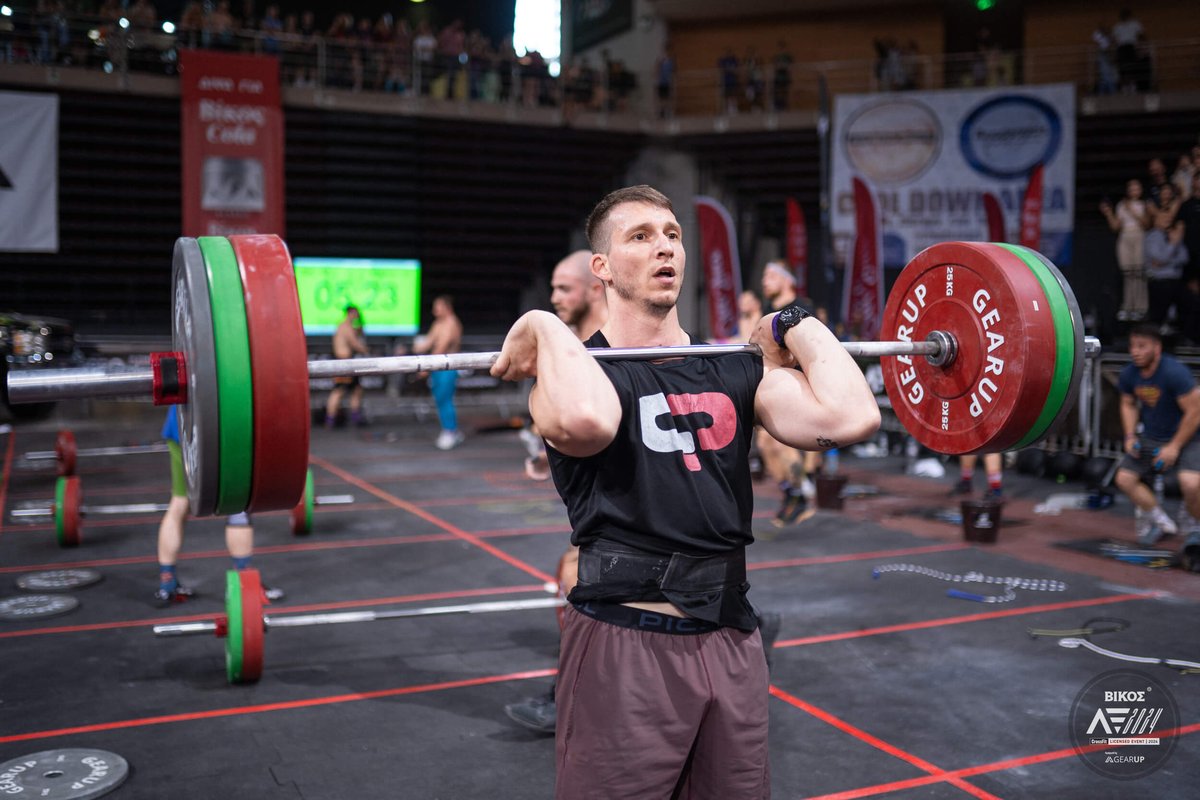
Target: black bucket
829,491
981,520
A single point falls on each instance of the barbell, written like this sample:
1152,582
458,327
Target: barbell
998,327
68,510
66,452
244,624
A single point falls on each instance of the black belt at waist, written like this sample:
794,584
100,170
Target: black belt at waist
711,588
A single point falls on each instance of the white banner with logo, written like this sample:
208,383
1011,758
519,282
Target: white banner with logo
28,172
930,157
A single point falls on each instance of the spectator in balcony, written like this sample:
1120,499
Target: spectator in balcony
424,48
1189,298
985,67
781,77
1107,76
1128,36
399,76
1166,256
379,50
221,27
664,83
506,60
271,27
306,65
190,31
756,82
339,46
451,43
1128,221
727,65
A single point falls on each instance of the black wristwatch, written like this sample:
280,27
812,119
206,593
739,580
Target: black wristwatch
788,318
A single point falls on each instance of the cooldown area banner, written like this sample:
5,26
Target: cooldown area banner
28,172
929,158
232,130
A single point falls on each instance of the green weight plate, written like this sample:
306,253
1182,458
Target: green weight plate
60,509
1065,333
233,633
234,382
199,417
1077,325
302,514
244,635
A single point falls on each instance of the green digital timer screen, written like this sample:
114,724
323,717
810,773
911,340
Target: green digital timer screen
387,292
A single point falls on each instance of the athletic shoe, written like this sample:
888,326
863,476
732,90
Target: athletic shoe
165,598
994,494
448,440
273,593
962,487
793,506
536,713
1160,518
1189,556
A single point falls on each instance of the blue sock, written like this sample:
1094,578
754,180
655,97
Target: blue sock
241,563
166,577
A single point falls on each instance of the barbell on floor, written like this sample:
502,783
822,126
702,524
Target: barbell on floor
998,326
68,509
66,452
244,623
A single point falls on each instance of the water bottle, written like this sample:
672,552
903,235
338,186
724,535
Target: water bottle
831,462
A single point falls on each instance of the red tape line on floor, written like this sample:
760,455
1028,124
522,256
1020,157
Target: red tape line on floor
446,526
284,706
879,744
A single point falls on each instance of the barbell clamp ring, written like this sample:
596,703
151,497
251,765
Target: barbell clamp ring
947,349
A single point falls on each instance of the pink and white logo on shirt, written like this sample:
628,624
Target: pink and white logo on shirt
714,436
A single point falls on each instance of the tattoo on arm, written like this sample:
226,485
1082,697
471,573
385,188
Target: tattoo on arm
828,444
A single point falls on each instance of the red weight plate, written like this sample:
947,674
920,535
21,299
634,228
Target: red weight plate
279,371
65,452
994,307
252,625
72,530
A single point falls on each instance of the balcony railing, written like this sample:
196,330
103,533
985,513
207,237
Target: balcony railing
352,64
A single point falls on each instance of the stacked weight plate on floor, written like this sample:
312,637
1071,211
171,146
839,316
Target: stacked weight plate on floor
244,429
243,626
1025,351
68,521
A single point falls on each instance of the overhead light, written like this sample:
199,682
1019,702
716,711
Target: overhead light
123,22
168,26
5,11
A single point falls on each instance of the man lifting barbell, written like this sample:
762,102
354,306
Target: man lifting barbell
651,459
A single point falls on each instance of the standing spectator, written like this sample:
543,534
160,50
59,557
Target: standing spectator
1165,256
1107,77
424,48
190,31
1128,221
756,83
444,336
1189,298
1128,35
1185,170
399,76
271,27
781,78
730,83
1157,170
221,27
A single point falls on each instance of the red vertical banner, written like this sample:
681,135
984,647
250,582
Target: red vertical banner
722,270
862,298
1031,211
232,131
995,217
797,246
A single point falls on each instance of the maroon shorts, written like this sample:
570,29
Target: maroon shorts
641,713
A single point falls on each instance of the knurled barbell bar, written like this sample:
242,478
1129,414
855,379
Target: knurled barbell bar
998,326
244,623
69,512
66,452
